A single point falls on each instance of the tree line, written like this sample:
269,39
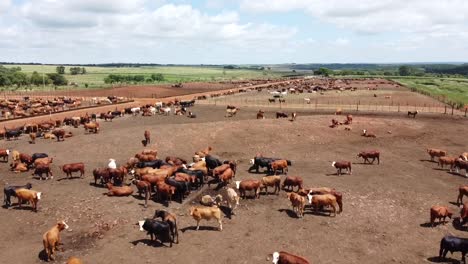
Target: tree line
73,70
15,77
138,78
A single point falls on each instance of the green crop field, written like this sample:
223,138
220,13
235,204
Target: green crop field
450,90
94,76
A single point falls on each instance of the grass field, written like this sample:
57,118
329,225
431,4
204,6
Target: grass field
444,89
95,75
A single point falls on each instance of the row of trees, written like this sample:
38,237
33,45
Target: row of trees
403,70
73,70
15,77
120,78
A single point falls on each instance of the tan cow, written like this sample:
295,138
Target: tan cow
207,213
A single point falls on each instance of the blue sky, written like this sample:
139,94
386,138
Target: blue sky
230,31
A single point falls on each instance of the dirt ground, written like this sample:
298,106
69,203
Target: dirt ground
386,206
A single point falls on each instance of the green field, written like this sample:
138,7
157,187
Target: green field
172,74
449,90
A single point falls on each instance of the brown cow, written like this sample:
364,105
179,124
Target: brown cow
366,133
145,157
41,169
74,260
298,203
462,190
51,239
226,176
319,200
460,164
249,185
207,213
92,127
59,134
291,182
325,190
203,153
279,165
118,191
439,212
74,167
4,154
143,187
445,160
260,114
18,167
31,196
165,189
436,153
287,258
147,137
371,154
339,165
273,181
464,213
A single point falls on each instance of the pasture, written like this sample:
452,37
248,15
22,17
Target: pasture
386,206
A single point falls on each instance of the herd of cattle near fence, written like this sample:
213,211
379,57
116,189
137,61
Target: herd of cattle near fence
173,179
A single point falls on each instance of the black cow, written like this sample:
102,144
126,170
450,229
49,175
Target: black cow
155,164
212,162
36,156
263,162
13,133
181,187
453,244
9,191
171,220
187,103
197,173
160,229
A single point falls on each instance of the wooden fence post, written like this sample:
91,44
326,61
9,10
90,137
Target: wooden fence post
445,111
452,109
466,109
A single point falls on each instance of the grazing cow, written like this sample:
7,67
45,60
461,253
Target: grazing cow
287,258
412,113
249,185
31,196
171,219
159,229
281,115
291,182
366,133
207,213
372,154
147,137
74,260
340,165
440,212
279,165
4,154
273,181
41,169
464,213
51,239
9,191
445,160
59,134
118,191
462,191
460,165
319,200
298,203
436,153
101,174
143,187
13,133
74,167
165,110
260,114
453,244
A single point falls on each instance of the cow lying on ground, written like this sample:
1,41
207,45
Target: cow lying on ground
340,165
281,115
287,258
207,213
9,191
366,133
18,167
436,153
440,212
157,230
171,219
372,154
51,239
298,203
453,244
74,260
118,191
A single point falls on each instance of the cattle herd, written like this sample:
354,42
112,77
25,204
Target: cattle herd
173,178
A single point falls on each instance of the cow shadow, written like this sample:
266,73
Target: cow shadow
70,178
428,160
226,211
428,225
202,228
323,212
454,173
362,163
457,224
438,259
289,212
42,255
148,242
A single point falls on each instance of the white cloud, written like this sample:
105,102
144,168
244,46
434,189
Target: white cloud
341,42
4,5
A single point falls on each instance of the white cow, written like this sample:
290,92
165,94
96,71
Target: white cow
112,164
166,110
135,110
152,110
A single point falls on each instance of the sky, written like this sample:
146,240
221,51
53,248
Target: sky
233,32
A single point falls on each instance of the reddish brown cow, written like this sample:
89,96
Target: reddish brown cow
59,134
287,258
462,190
41,169
74,167
145,157
219,170
249,185
439,212
279,165
366,133
143,187
371,154
147,137
291,182
118,191
226,176
4,153
340,165
164,189
447,161
436,153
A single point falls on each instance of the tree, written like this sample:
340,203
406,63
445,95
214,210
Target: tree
157,77
404,70
75,70
83,70
57,79
323,71
36,79
60,69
